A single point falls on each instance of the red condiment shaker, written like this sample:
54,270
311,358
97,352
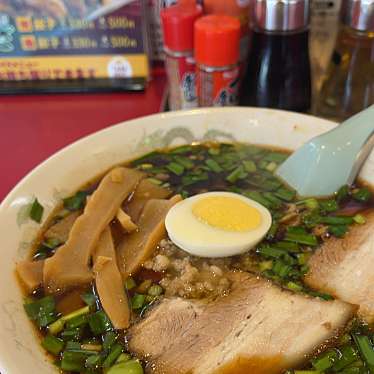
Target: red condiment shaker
178,28
217,59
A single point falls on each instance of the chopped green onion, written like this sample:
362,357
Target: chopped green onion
311,220
137,301
321,295
128,367
285,194
281,268
342,193
311,203
53,345
73,361
130,283
76,322
145,166
265,265
271,166
141,159
175,168
238,173
155,181
276,157
288,259
90,299
182,149
325,361
338,230
192,179
293,235
36,212
184,161
58,325
270,184
256,196
76,202
109,339
123,357
79,312
353,370
329,205
359,218
213,165
51,243
347,356
249,166
73,346
92,347
276,203
94,361
155,290
73,334
263,164
296,230
303,258
366,349
214,151
272,231
287,246
363,195
294,286
99,323
149,299
113,355
336,220
268,251
42,311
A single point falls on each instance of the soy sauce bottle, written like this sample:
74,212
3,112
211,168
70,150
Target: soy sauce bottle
278,73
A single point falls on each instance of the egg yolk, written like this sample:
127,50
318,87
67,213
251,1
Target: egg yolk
227,213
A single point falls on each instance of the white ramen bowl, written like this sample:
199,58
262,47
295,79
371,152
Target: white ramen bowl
66,171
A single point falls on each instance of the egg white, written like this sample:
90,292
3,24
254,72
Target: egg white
201,239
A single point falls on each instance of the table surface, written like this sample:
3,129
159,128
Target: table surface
32,128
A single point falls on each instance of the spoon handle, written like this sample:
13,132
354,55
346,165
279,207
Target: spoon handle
358,128
356,133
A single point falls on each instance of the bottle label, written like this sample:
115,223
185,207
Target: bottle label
218,88
182,82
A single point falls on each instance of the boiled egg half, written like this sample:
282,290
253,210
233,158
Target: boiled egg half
217,224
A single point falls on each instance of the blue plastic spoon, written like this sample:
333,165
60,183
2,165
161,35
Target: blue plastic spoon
327,162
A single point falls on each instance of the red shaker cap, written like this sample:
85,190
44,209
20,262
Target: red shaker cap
177,25
217,40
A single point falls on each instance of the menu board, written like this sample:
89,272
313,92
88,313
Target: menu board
72,43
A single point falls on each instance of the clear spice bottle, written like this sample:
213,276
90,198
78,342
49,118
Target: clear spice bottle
178,28
278,74
349,83
217,60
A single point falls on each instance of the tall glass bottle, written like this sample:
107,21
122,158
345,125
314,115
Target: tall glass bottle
349,83
278,74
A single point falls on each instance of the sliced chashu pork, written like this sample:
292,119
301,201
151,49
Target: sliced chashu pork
344,268
258,328
138,247
109,282
70,264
